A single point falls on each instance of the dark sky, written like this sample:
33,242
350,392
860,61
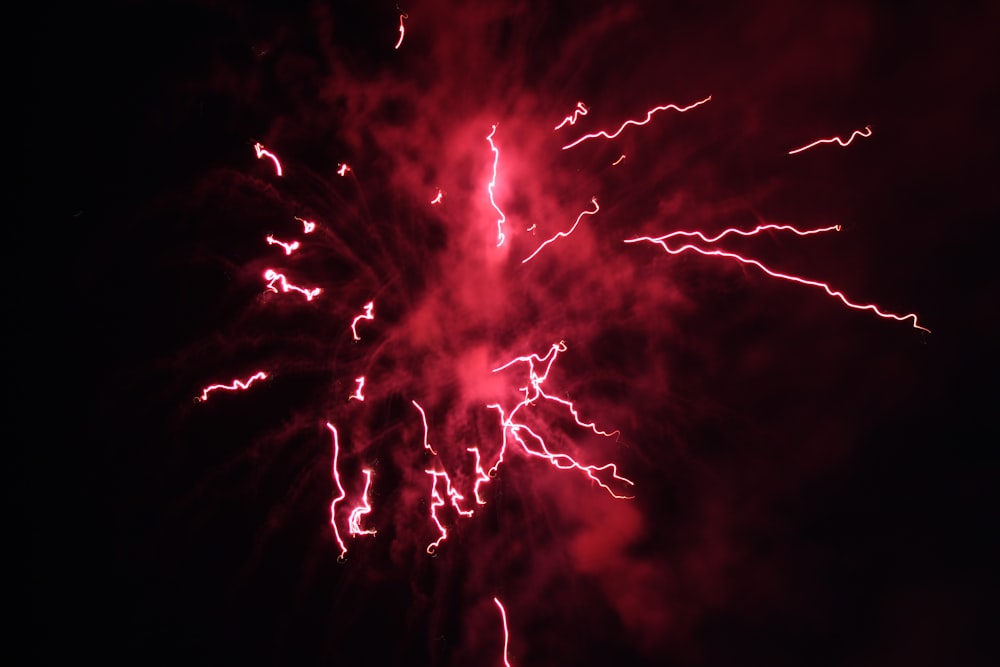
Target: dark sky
813,484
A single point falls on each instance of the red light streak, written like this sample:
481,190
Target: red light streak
481,476
564,234
402,29
357,392
261,153
272,277
662,241
289,247
438,197
342,494
343,169
649,116
867,132
237,385
581,110
618,161
368,314
506,632
532,394
308,226
423,418
354,519
492,184
437,501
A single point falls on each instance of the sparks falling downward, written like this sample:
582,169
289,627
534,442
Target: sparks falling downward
367,314
492,184
341,494
506,631
354,519
262,153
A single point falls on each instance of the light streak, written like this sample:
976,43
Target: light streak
662,242
532,393
492,184
564,234
261,153
237,385
438,197
343,168
368,314
581,110
423,418
308,226
402,29
481,476
340,497
272,277
289,247
618,161
867,132
649,115
506,632
357,392
354,519
437,501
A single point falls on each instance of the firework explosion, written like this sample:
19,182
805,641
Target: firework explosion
506,328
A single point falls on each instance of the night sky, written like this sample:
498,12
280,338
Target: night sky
813,485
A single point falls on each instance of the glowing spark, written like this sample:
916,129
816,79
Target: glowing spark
423,418
357,392
272,277
261,152
506,632
532,394
368,314
867,132
341,496
308,226
437,198
289,247
492,184
343,168
532,229
564,234
437,501
662,241
354,520
618,161
402,29
237,385
649,115
571,119
481,476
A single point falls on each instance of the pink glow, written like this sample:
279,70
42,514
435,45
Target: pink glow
237,385
308,226
867,132
618,161
649,115
492,184
272,277
506,632
357,392
438,197
402,28
289,247
564,234
262,153
481,476
343,169
423,418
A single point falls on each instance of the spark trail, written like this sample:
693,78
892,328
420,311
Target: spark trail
289,248
262,153
357,391
367,314
308,226
354,519
492,184
236,385
402,28
340,488
867,132
438,501
272,277
649,116
566,233
663,242
571,119
506,632
423,418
